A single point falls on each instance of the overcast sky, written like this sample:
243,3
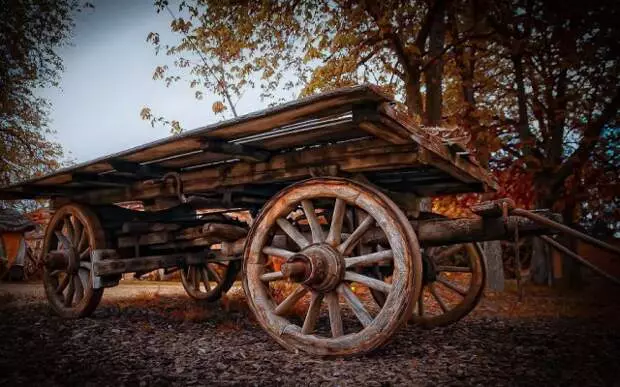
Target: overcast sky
108,79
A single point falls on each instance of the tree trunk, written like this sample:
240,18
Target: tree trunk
541,267
413,97
571,269
524,130
434,71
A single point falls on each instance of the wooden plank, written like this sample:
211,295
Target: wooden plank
437,153
102,180
174,146
138,170
193,159
243,152
369,120
314,137
348,157
143,264
327,106
383,133
152,238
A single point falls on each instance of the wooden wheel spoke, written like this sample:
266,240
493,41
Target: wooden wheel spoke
369,258
355,304
368,281
421,303
335,229
313,313
437,297
62,240
204,271
448,252
83,240
63,284
85,254
335,316
193,276
454,269
452,286
79,288
213,274
292,232
291,300
70,232
348,245
313,221
274,276
70,292
78,231
274,251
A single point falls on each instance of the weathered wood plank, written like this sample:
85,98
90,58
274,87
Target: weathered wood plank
437,154
348,157
243,152
143,264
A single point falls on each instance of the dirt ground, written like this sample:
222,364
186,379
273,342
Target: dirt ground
152,334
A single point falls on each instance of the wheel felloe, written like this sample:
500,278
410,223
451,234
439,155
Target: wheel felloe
323,311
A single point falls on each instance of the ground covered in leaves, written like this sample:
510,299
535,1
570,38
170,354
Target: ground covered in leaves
154,335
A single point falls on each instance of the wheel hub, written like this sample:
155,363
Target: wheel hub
318,266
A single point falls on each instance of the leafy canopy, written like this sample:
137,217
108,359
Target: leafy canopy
30,33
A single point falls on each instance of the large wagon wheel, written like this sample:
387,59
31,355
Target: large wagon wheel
210,280
322,269
71,235
453,283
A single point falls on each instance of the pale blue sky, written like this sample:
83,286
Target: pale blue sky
108,79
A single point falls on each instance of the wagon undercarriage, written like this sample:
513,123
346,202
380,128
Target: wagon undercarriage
334,186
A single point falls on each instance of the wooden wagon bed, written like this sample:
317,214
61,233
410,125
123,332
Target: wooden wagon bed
349,131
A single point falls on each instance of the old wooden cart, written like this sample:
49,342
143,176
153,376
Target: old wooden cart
334,184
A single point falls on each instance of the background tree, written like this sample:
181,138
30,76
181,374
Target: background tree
533,84
30,32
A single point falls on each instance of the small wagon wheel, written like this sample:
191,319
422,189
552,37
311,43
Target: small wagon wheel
71,235
453,283
210,280
321,270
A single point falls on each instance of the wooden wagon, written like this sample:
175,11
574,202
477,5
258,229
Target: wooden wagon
333,183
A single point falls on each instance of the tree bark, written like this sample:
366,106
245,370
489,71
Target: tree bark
541,267
434,70
524,129
413,99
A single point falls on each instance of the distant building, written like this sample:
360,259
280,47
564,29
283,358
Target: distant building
13,248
